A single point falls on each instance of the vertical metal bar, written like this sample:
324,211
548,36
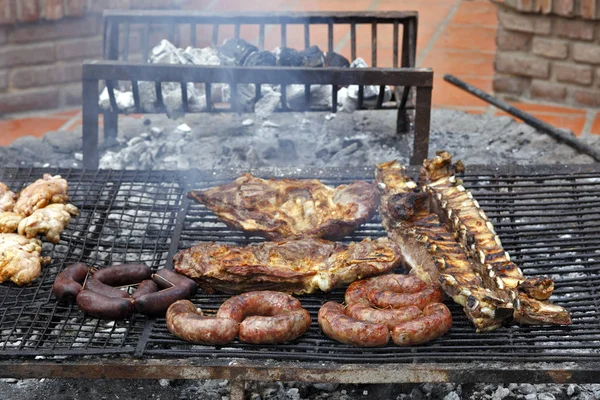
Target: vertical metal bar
126,42
307,96
236,33
208,94
413,35
353,40
136,96
234,100
334,90
395,60
283,97
361,96
374,45
422,121
145,42
172,33
90,95
380,96
111,125
306,35
159,97
283,35
330,37
261,36
258,90
184,97
193,32
111,96
215,35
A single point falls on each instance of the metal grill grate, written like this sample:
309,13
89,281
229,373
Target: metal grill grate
549,220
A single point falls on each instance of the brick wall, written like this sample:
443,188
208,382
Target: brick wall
43,44
549,50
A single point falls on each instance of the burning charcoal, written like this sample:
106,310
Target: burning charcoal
260,58
235,51
265,106
287,57
333,59
312,57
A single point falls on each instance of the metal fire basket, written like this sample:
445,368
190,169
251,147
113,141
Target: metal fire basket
122,27
548,218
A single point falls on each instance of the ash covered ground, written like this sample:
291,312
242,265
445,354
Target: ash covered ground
290,139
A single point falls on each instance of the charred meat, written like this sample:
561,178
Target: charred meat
430,250
462,214
294,266
289,208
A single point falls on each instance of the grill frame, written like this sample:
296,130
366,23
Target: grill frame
116,67
139,361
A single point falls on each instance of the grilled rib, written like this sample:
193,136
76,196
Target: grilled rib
430,250
462,214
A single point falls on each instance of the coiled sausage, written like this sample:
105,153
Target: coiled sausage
104,307
145,287
67,284
190,324
392,298
338,326
363,311
359,290
94,285
175,287
123,274
435,322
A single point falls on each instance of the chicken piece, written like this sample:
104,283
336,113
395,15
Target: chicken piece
50,220
20,259
7,198
9,221
49,190
290,208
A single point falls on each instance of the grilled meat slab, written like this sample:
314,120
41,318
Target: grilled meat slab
20,259
289,208
48,190
294,266
430,250
462,214
7,198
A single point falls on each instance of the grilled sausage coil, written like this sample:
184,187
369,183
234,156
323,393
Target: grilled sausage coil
338,326
104,307
145,287
435,321
189,324
96,286
123,274
68,283
174,287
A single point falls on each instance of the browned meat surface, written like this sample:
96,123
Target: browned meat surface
289,208
294,266
48,190
7,198
20,259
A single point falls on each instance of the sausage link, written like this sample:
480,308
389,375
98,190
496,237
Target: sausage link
104,307
94,285
388,317
123,274
189,324
338,326
279,328
359,290
145,287
388,298
166,278
67,284
262,302
435,322
156,304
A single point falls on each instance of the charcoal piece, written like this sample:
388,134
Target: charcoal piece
333,59
312,57
287,149
235,51
289,57
260,58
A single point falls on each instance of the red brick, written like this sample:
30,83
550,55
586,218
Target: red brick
544,6
515,21
548,91
54,30
54,9
520,64
587,53
8,14
26,100
510,84
564,7
79,48
550,48
589,9
574,28
27,10
512,41
70,95
75,8
3,79
587,97
31,54
573,73
598,77
526,5
45,75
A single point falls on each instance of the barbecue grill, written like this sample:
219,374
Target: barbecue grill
548,218
120,26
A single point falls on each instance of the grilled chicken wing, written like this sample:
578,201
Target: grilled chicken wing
7,198
9,221
430,250
20,259
462,214
49,190
294,266
50,220
290,208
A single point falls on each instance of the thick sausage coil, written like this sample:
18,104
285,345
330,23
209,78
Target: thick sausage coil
338,326
391,298
388,317
435,322
145,287
174,287
123,274
94,285
360,290
104,307
266,317
188,323
67,284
